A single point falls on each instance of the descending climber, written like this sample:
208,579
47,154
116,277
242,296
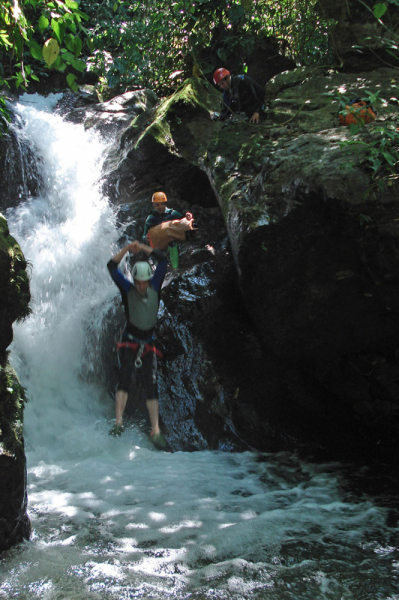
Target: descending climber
240,94
137,349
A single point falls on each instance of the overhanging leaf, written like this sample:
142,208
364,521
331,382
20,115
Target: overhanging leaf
35,50
59,29
51,51
79,65
78,46
71,80
379,10
222,54
43,23
389,158
4,39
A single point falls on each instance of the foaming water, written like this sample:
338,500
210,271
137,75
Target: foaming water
66,234
112,518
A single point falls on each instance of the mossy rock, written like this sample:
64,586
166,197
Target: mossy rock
14,284
12,401
14,304
177,111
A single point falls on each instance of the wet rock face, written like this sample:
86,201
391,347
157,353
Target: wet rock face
14,304
207,380
313,256
14,284
278,328
18,161
107,117
14,521
320,302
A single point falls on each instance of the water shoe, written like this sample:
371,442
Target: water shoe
160,442
116,430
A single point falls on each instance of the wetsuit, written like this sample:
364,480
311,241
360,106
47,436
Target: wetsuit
243,95
141,317
154,219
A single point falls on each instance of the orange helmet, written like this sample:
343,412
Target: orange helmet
159,197
220,74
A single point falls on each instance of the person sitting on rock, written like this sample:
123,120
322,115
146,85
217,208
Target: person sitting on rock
138,354
160,214
240,94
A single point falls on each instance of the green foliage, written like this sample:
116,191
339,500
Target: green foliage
158,44
304,35
38,34
365,220
381,144
4,114
380,10
45,30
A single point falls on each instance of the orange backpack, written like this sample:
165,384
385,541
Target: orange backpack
358,112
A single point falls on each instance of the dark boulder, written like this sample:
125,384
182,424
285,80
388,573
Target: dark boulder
14,304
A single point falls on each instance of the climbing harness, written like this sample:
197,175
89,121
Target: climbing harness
143,347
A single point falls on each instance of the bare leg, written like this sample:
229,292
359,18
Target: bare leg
153,410
120,404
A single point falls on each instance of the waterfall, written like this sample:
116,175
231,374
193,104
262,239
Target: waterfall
66,233
113,518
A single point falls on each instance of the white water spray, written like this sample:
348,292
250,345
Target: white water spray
114,518
66,234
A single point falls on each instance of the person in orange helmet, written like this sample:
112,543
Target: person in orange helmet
240,94
159,214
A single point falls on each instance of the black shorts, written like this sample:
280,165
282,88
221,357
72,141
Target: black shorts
147,373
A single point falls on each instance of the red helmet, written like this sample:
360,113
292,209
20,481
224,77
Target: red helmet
220,74
159,197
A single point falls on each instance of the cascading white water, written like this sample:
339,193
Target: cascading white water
113,518
66,234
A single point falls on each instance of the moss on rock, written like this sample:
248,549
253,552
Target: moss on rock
14,305
195,94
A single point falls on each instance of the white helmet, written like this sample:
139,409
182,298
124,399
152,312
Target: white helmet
142,271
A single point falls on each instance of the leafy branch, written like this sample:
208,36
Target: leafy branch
36,35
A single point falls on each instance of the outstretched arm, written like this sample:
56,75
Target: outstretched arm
133,247
124,284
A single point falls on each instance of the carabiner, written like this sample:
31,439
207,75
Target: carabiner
138,362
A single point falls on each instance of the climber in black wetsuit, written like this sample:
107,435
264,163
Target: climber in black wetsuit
138,352
240,94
